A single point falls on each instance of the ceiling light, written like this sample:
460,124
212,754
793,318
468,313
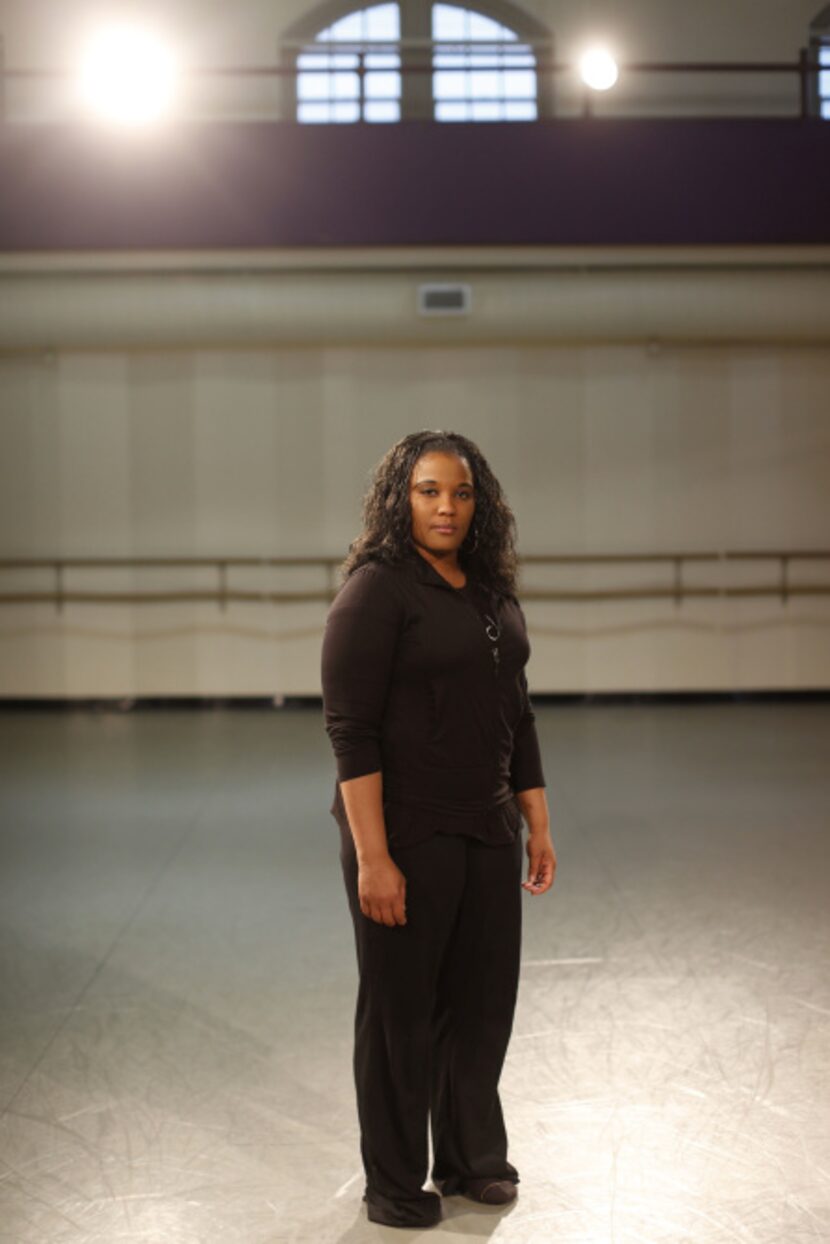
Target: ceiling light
128,75
598,69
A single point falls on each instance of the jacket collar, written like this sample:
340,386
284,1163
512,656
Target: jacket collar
424,570
426,573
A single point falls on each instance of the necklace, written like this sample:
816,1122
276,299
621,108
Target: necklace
491,627
493,632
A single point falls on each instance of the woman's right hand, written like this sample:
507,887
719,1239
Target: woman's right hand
381,890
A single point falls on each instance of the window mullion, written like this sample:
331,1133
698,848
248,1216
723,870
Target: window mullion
416,62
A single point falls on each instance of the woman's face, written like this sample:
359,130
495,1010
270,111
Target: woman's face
441,494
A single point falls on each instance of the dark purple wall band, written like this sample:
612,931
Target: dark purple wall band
277,184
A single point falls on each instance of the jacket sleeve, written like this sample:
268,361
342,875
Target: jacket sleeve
359,643
526,761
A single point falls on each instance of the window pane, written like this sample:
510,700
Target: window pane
484,85
382,60
519,110
383,22
345,111
482,27
345,86
486,112
376,110
307,61
347,29
449,85
451,112
313,112
383,85
313,86
520,83
448,22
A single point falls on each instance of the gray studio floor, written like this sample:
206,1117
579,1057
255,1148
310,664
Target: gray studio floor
178,979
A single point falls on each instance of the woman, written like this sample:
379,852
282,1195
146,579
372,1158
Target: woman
426,706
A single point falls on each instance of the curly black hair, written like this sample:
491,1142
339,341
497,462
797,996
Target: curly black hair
488,550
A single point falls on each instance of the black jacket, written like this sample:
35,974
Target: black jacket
411,688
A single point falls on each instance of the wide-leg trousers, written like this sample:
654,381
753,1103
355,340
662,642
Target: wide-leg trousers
433,1017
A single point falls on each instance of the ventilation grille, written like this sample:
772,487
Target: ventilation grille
444,299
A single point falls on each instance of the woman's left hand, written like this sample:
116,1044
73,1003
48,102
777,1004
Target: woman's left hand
541,862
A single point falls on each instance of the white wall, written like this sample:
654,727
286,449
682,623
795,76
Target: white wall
262,452
305,296
715,436
38,32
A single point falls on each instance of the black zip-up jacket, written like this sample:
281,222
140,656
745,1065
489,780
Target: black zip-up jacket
411,688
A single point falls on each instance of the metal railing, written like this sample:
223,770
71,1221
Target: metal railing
417,58
675,587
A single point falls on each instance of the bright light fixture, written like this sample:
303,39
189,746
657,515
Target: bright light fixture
128,75
598,69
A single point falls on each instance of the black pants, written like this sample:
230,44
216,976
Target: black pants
433,1018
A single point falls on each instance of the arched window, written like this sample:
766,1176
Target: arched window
820,51
341,79
494,81
463,63
824,81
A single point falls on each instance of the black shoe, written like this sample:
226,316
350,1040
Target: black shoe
489,1191
421,1211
